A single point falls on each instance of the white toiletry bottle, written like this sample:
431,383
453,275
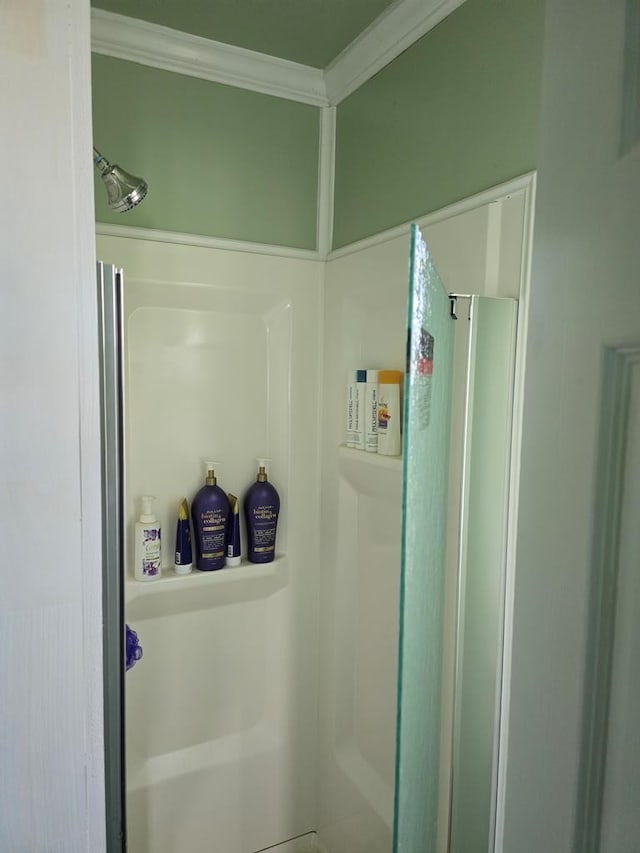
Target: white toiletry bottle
371,411
351,409
147,551
389,413
360,426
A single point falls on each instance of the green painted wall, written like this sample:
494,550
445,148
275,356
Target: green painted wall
219,161
454,114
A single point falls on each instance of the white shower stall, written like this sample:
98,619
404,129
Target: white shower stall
263,712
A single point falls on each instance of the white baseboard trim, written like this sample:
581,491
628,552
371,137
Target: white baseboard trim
129,232
497,193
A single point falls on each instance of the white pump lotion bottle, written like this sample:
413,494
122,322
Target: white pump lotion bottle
147,551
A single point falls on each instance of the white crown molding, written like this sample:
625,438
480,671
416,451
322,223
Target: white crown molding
130,232
149,44
393,31
160,47
396,29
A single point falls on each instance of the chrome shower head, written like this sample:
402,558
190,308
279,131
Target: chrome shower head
124,191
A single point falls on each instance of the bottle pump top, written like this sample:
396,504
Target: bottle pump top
262,469
211,465
147,514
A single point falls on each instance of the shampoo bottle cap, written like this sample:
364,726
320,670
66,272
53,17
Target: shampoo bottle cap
147,515
361,375
389,377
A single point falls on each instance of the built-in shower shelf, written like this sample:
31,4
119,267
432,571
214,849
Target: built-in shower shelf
370,474
389,463
173,593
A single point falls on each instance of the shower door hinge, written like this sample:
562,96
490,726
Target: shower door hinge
453,304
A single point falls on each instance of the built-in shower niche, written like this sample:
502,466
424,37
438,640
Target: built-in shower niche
207,377
220,711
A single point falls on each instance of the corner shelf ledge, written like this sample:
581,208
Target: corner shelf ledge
172,593
371,475
391,463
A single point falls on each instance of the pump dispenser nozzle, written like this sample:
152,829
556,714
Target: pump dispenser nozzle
262,469
210,466
147,514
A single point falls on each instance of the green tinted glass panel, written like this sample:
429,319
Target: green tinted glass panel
425,480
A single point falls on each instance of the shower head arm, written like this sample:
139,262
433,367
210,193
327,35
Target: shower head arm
101,163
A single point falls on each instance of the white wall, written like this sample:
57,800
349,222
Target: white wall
223,362
365,308
51,788
476,250
585,297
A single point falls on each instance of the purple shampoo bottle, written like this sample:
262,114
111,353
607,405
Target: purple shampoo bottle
261,510
210,514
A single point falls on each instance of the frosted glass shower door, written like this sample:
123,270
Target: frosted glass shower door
425,480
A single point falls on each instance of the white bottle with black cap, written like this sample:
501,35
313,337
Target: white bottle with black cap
360,424
350,410
371,412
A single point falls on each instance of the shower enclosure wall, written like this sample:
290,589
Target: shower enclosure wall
222,361
263,711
